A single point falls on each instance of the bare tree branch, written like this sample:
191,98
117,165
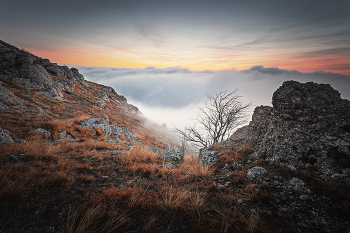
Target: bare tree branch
223,113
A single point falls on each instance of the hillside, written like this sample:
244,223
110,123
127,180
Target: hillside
76,157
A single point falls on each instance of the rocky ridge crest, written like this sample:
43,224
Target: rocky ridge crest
308,128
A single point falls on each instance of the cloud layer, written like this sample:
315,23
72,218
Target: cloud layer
172,95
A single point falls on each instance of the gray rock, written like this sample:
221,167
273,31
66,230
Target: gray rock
36,77
111,131
117,152
208,157
307,128
64,135
155,150
173,165
256,173
8,98
43,62
304,197
172,155
45,133
71,76
5,137
16,158
21,141
296,184
130,136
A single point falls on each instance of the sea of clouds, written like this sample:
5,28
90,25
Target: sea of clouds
173,95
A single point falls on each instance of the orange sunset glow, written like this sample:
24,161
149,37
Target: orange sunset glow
100,57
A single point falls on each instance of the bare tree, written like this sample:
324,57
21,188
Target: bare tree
183,145
223,113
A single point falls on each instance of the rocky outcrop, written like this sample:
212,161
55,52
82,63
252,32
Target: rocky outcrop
208,156
71,76
171,158
130,136
172,155
307,128
36,73
37,76
111,131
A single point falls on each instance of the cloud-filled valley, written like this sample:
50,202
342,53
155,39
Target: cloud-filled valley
172,95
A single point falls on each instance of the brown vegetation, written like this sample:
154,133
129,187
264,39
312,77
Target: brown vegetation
87,190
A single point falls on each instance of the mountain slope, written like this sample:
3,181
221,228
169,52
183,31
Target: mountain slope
33,90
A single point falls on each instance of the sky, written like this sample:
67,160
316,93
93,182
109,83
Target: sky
163,55
199,35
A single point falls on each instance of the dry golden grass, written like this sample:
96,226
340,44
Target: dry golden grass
122,137
174,197
96,219
252,221
139,155
100,134
88,146
238,177
193,167
86,179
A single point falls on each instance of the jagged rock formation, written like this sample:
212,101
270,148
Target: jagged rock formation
37,75
33,72
308,127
